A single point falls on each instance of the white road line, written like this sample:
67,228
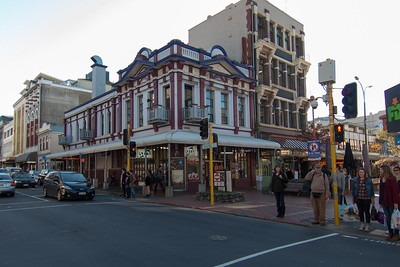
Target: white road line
274,249
39,198
34,208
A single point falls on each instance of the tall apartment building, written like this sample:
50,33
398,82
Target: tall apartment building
43,102
257,33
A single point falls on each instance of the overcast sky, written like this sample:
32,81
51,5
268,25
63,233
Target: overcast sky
58,38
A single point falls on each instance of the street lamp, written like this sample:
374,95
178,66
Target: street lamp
365,118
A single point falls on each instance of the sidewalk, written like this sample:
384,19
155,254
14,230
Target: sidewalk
262,206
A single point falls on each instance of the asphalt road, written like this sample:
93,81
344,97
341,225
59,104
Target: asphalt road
109,231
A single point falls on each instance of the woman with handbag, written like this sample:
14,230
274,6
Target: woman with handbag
389,199
278,185
363,195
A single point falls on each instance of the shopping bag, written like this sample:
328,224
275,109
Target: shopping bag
381,216
341,210
395,220
374,213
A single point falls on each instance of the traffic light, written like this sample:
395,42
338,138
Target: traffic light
339,133
349,101
132,149
204,128
125,137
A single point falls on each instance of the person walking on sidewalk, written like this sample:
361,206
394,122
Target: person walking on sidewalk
278,185
149,183
159,179
363,195
389,199
132,185
319,193
122,182
340,180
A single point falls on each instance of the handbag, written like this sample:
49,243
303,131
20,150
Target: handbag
395,220
374,213
381,216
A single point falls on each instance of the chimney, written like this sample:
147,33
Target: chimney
98,76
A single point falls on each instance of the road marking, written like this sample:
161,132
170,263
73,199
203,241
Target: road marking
39,198
274,249
34,208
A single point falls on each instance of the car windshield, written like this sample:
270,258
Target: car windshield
22,175
5,178
73,177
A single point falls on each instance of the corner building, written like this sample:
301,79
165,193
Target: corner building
161,98
258,34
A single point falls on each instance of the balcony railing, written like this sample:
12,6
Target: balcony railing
86,134
64,140
193,113
158,115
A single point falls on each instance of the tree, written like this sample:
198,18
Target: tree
387,142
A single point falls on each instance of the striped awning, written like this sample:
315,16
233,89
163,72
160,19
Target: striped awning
290,143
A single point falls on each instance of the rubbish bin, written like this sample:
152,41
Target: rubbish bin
259,182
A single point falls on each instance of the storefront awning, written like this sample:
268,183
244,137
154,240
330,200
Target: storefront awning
173,137
31,157
291,143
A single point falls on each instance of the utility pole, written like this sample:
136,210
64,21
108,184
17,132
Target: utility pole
327,76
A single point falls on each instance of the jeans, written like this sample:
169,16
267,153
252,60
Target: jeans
133,193
388,218
364,207
280,203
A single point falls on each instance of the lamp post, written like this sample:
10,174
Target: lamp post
314,105
365,116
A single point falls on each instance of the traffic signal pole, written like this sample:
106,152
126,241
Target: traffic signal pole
333,152
211,167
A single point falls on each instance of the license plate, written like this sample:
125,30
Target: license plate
25,184
82,193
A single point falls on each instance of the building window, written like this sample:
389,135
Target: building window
277,112
140,111
298,47
241,111
292,116
210,105
282,74
47,142
102,123
279,37
150,99
284,114
274,71
167,97
289,78
263,111
260,27
128,111
261,74
224,108
241,160
287,40
109,121
188,96
272,32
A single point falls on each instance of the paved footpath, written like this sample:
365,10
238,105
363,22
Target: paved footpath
263,206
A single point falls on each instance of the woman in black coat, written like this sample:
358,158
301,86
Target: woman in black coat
278,185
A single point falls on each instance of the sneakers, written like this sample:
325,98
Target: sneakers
362,227
366,228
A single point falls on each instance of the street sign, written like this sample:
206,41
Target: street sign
208,146
314,150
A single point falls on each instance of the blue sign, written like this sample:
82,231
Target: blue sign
397,140
314,149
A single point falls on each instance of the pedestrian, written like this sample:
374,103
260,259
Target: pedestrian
132,183
159,179
148,182
396,173
128,184
363,195
122,182
340,179
319,193
278,185
388,199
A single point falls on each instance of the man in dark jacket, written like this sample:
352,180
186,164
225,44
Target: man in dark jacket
278,185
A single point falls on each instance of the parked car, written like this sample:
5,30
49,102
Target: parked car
42,175
35,175
67,185
7,185
23,179
13,169
3,170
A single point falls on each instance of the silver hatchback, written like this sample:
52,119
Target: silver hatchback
7,185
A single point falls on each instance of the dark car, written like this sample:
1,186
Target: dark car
35,175
43,174
7,185
23,179
67,185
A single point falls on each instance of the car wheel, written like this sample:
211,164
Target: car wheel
45,192
12,194
59,196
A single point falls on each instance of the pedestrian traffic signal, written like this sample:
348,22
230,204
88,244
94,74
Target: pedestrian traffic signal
204,128
132,149
125,137
339,133
349,101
